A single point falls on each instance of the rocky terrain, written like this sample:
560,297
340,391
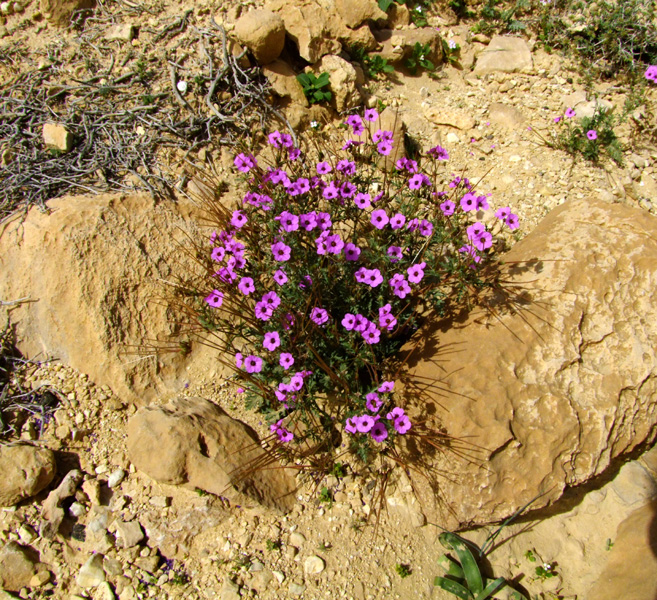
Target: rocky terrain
121,486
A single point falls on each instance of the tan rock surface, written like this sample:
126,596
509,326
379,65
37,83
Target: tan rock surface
571,384
284,81
263,32
26,470
343,82
59,12
356,12
202,447
506,54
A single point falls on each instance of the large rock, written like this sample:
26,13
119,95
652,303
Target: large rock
505,116
263,32
558,382
26,470
343,82
17,566
200,446
284,81
355,12
631,571
95,269
398,44
505,54
59,12
309,25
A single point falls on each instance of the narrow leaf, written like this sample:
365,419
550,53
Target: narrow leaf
491,588
468,563
454,588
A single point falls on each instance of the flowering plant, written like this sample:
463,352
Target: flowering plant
329,265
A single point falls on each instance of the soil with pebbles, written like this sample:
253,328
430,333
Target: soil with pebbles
325,548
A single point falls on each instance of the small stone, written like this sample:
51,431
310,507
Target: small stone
16,567
41,578
160,501
291,551
452,138
122,32
230,591
115,478
279,575
297,539
256,566
129,534
148,563
515,158
76,509
313,565
296,589
26,534
57,137
6,8
91,487
104,592
91,573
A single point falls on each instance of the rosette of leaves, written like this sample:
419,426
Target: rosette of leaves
314,87
420,59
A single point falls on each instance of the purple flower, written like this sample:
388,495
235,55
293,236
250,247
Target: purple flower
557,119
351,251
334,244
395,253
239,360
350,426
373,278
320,242
286,360
319,316
347,167
272,300
379,218
512,221
425,228
415,182
245,162
280,277
347,189
306,281
280,251
468,202
246,285
402,424
218,253
371,335
364,423
324,221
331,191
387,386
379,432
362,324
412,225
354,121
275,139
475,230
592,134
471,251
395,413
373,403
439,153
397,221
262,311
448,208
503,213
416,272
348,321
253,364
570,113
239,219
387,321
362,201
384,148
288,221
272,341
382,136
323,168
371,115
308,221
651,73
402,290
215,299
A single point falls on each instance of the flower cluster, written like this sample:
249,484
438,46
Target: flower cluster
328,265
651,73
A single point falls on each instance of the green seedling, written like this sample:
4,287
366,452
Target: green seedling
313,87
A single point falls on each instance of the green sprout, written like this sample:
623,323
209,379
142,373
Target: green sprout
313,87
403,570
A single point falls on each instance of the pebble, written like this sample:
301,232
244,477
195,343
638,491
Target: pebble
41,578
26,534
76,509
279,575
313,565
160,501
104,592
91,573
296,589
297,539
115,478
129,534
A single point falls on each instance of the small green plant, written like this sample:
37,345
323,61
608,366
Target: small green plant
179,578
545,571
374,66
451,51
313,87
403,570
273,545
463,577
420,58
201,492
326,496
609,544
338,470
494,19
324,547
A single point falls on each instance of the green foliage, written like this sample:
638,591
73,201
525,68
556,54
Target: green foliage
272,545
420,58
179,578
313,87
574,137
463,577
496,19
326,496
460,8
374,66
403,570
384,5
338,470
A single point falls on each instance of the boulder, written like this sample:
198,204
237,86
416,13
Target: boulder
201,447
631,570
263,33
355,12
560,381
343,82
59,12
26,470
309,25
398,44
17,566
398,16
284,81
95,268
505,54
505,116
450,117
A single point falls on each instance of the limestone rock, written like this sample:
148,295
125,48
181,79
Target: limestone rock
52,514
313,565
631,571
91,322
26,470
398,44
309,25
17,566
505,54
564,384
59,12
128,534
460,119
57,137
355,12
390,120
343,82
398,16
505,115
91,573
123,32
263,32
284,81
198,446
